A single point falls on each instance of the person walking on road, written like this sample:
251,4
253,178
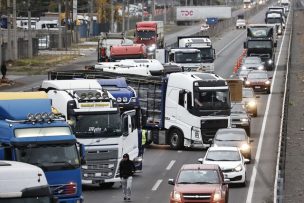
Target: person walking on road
126,171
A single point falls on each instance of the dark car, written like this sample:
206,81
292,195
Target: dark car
239,117
259,81
233,137
199,183
250,101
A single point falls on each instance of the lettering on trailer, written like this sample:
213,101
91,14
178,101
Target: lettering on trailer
187,12
90,105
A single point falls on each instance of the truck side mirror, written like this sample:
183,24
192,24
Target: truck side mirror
171,181
245,45
189,100
125,124
82,154
214,55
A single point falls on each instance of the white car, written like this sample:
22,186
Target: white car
231,162
240,23
205,27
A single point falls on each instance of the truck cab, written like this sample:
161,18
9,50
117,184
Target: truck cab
21,182
150,33
31,133
204,45
276,18
95,119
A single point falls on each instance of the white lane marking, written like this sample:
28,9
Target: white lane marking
227,45
156,185
170,165
258,153
179,151
275,189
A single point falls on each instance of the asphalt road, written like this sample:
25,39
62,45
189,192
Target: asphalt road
160,163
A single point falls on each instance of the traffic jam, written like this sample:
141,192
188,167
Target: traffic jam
99,125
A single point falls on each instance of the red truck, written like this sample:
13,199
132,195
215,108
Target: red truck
150,33
135,51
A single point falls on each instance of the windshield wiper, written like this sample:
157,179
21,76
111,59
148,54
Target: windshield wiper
184,183
202,182
210,159
66,163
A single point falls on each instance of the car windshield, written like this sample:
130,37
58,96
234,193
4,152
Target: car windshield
187,57
198,177
257,76
231,135
252,60
237,108
248,93
96,126
209,99
49,157
223,155
259,44
26,200
146,34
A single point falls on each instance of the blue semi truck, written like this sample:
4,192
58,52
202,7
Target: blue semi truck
30,133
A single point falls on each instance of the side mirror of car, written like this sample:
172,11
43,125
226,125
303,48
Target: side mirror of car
200,160
270,77
246,161
171,181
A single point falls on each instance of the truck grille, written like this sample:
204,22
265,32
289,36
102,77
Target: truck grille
209,128
64,189
196,197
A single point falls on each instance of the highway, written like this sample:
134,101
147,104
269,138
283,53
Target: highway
160,163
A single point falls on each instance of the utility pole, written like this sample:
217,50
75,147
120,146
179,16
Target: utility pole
165,13
15,43
128,20
66,24
123,16
112,16
59,27
153,9
9,39
91,18
30,44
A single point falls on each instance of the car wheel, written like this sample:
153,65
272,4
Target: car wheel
244,183
248,131
176,139
255,113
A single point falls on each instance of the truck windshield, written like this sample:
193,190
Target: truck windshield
211,99
146,34
206,53
27,200
49,157
252,44
97,126
273,20
187,57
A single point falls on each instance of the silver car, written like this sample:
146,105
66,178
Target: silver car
253,63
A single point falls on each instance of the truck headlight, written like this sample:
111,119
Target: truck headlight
244,120
152,47
125,99
245,147
177,196
247,82
252,104
261,68
217,196
270,61
238,168
118,99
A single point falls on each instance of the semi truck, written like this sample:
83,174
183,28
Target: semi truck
31,133
150,33
95,119
276,18
21,182
204,44
106,41
191,14
261,42
247,4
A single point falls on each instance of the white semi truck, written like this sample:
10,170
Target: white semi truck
95,118
22,182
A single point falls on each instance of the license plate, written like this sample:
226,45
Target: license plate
257,87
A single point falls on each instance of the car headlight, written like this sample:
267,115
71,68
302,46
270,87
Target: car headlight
238,168
243,67
267,82
217,196
261,68
245,147
247,82
270,61
243,120
251,104
177,196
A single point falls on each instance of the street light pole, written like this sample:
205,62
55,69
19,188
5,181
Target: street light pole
9,36
30,44
59,28
112,16
15,43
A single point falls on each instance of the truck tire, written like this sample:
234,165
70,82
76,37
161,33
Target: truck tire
176,139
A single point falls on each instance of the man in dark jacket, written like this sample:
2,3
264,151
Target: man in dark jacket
126,170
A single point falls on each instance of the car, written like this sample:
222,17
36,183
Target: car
240,23
204,27
249,99
259,81
231,162
253,63
240,117
199,183
242,74
233,137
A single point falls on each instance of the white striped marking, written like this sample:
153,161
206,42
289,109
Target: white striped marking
179,151
156,185
170,165
258,153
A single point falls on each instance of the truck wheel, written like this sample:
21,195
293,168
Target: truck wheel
176,139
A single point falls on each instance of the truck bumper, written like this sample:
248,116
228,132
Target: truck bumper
71,200
112,180
195,144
